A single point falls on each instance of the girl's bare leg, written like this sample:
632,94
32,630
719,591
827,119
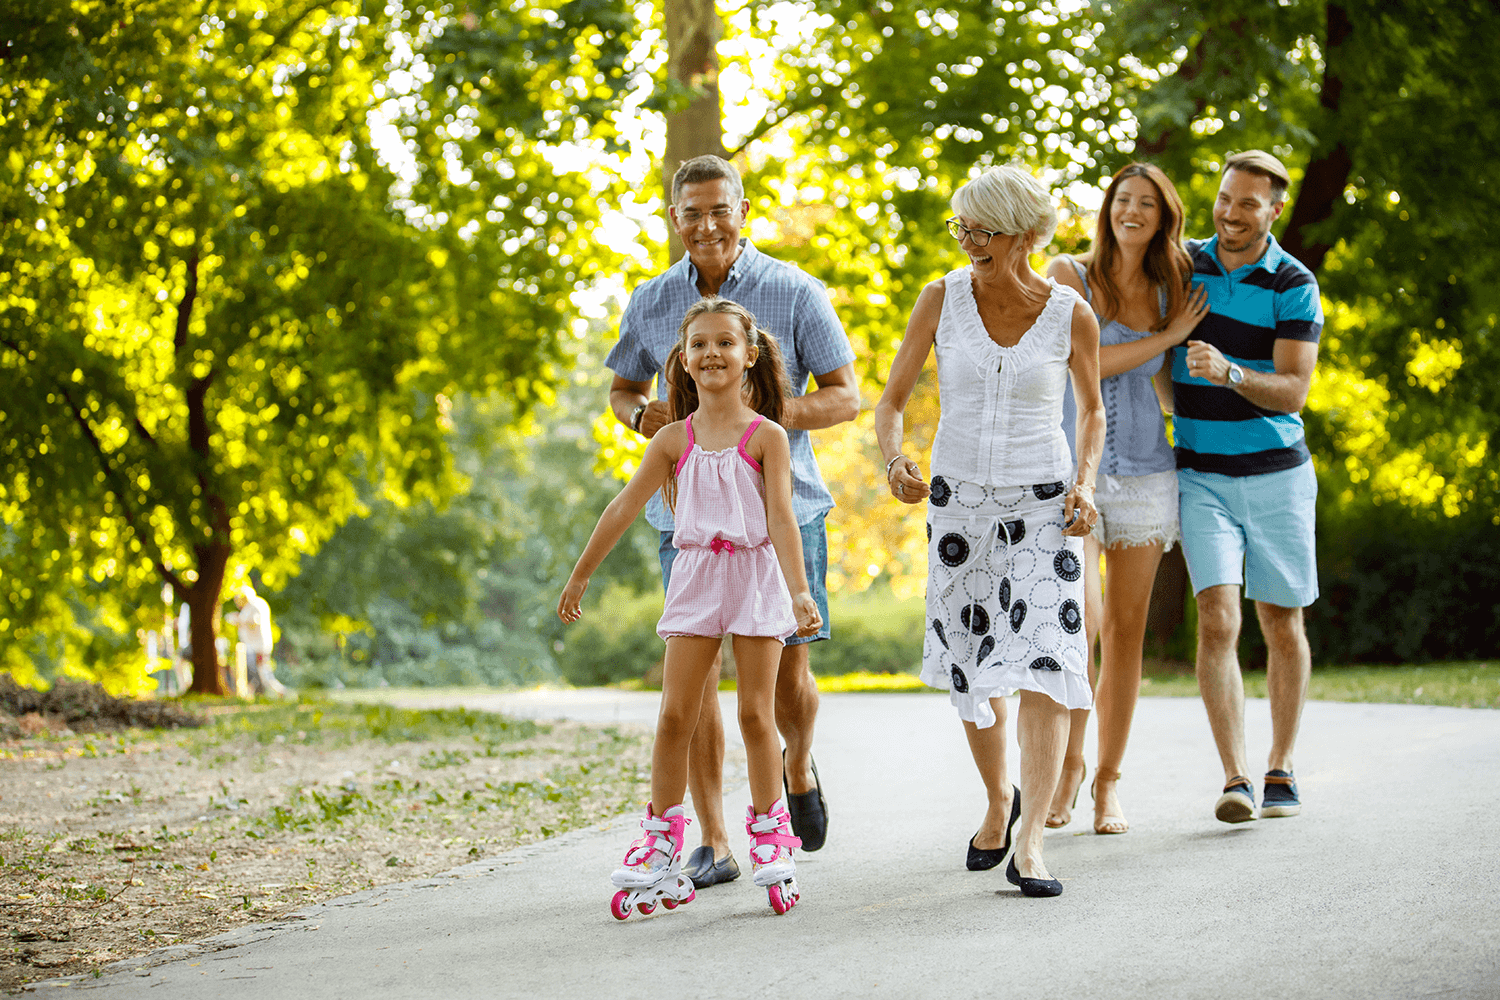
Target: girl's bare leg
689,660
988,748
757,661
1074,765
1132,572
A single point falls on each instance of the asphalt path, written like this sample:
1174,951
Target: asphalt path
1385,886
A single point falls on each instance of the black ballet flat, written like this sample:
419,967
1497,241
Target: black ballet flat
1033,887
981,860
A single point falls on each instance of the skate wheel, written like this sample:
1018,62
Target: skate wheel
781,901
669,902
692,895
618,906
646,908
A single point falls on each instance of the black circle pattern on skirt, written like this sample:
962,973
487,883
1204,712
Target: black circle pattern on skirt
953,549
1014,530
975,618
1069,617
929,531
1045,663
985,649
937,626
941,492
1017,615
960,682
1005,594
1046,491
1067,565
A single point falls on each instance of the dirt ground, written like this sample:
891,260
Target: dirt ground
115,844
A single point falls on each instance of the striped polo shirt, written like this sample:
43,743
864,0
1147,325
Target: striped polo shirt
1215,429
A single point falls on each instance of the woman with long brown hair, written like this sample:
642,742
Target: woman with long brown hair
1136,279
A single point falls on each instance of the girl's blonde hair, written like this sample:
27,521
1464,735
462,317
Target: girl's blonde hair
766,383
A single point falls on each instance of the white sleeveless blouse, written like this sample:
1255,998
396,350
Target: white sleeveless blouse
1002,407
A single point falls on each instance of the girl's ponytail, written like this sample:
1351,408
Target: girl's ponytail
767,380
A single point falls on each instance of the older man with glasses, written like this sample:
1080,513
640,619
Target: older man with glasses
708,212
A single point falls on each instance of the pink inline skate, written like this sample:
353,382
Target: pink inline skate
652,869
771,844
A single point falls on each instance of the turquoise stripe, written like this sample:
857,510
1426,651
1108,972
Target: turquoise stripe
1238,437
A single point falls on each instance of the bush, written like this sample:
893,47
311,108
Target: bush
871,632
615,640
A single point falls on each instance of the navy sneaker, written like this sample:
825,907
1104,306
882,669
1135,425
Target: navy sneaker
1280,796
1237,804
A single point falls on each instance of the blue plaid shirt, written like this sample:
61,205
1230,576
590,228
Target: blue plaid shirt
787,301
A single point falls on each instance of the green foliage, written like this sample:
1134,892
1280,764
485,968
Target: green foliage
467,594
615,641
248,253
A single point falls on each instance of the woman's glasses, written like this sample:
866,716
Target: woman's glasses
979,237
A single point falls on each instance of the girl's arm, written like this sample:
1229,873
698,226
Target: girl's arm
661,455
1117,358
903,476
1079,512
781,524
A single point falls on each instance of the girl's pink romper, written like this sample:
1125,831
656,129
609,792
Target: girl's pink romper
725,578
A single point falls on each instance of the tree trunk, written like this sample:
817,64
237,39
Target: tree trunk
213,549
1328,173
693,31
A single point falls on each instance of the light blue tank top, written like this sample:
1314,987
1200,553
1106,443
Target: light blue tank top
1135,439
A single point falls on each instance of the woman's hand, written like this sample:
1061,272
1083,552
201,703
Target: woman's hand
806,610
1079,513
1194,308
905,481
568,604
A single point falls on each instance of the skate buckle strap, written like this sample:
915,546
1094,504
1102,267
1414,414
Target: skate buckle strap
767,831
651,839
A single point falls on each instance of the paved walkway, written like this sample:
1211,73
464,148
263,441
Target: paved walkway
1386,886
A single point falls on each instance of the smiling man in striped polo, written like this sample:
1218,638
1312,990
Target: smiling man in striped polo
1245,476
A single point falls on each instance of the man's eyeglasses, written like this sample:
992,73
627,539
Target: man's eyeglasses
691,216
980,237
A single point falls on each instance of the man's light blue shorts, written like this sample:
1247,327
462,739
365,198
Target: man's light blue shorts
1252,530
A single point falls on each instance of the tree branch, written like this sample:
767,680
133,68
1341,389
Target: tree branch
1328,172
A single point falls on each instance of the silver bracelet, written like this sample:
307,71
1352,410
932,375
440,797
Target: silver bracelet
891,463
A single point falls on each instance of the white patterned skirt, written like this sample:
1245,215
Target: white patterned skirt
1004,597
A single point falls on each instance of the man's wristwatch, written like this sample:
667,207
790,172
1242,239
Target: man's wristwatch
635,417
1235,377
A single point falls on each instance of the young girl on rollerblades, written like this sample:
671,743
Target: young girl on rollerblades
725,467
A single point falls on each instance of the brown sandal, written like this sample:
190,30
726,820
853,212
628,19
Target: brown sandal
1106,822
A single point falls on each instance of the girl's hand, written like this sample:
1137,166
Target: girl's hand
1079,513
568,604
1189,316
806,610
906,482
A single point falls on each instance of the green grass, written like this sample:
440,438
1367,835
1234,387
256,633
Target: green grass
1459,685
323,720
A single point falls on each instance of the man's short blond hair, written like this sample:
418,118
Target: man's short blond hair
1258,161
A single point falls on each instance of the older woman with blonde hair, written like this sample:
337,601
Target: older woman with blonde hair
1005,525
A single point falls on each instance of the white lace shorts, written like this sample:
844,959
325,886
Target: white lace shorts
1138,510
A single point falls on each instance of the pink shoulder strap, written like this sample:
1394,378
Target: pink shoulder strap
759,419
688,450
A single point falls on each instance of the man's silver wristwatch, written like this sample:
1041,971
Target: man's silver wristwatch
1235,377
635,417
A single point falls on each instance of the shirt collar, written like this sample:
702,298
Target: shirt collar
1268,261
743,262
